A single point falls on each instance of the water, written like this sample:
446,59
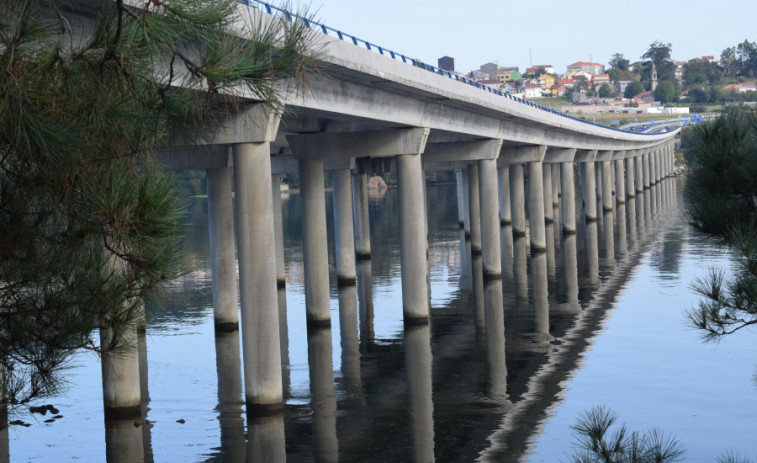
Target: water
598,319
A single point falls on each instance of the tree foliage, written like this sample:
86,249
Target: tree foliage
88,220
721,194
659,54
601,441
665,91
633,89
606,90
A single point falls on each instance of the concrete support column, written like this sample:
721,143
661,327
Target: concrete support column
505,215
344,237
256,250
547,181
652,168
645,165
630,178
466,205
607,200
278,230
536,207
412,210
120,374
518,199
490,223
315,243
461,202
568,199
361,217
620,182
556,186
590,192
223,261
474,209
638,164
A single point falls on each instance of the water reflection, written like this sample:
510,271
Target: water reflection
230,396
420,408
124,442
323,395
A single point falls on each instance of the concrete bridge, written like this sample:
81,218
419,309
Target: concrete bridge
375,110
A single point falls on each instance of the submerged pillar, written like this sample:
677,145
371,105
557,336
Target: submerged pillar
344,237
223,262
620,182
630,178
490,222
122,398
518,199
590,191
505,214
607,200
412,211
536,207
315,243
474,209
278,230
568,199
638,162
256,250
362,226
547,182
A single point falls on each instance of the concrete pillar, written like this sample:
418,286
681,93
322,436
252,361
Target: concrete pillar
361,217
638,162
344,237
278,229
122,399
540,284
620,182
607,199
570,270
230,411
645,165
460,198
652,167
412,210
568,199
600,188
223,261
520,269
590,191
365,301
505,215
474,208
257,277
315,243
518,199
556,190
536,207
547,181
490,222
466,204
630,178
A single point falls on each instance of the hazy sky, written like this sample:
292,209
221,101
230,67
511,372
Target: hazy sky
521,33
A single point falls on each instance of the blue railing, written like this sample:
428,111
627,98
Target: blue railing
331,32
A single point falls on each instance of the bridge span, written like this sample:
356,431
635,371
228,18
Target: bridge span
373,110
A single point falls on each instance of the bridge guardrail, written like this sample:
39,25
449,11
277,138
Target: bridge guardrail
331,32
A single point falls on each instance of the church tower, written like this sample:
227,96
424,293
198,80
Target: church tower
654,77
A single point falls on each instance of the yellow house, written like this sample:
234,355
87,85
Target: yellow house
546,81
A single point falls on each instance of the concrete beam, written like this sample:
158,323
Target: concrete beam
585,156
606,155
372,143
194,157
618,155
462,151
559,155
521,154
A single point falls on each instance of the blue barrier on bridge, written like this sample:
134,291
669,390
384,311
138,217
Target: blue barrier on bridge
331,32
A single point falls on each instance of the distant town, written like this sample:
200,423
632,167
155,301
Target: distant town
657,85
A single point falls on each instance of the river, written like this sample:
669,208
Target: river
500,374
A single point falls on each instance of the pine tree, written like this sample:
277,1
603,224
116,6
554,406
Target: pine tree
88,221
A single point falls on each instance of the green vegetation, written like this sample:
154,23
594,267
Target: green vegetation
601,441
89,222
721,194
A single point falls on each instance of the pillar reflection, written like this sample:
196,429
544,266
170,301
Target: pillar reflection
124,441
323,394
265,439
230,395
350,341
477,274
507,251
540,298
418,370
592,254
621,229
570,269
608,239
520,269
365,301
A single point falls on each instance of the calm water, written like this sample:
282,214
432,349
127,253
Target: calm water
597,320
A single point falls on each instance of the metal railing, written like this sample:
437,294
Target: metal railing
331,32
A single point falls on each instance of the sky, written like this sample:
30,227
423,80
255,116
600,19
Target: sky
524,33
